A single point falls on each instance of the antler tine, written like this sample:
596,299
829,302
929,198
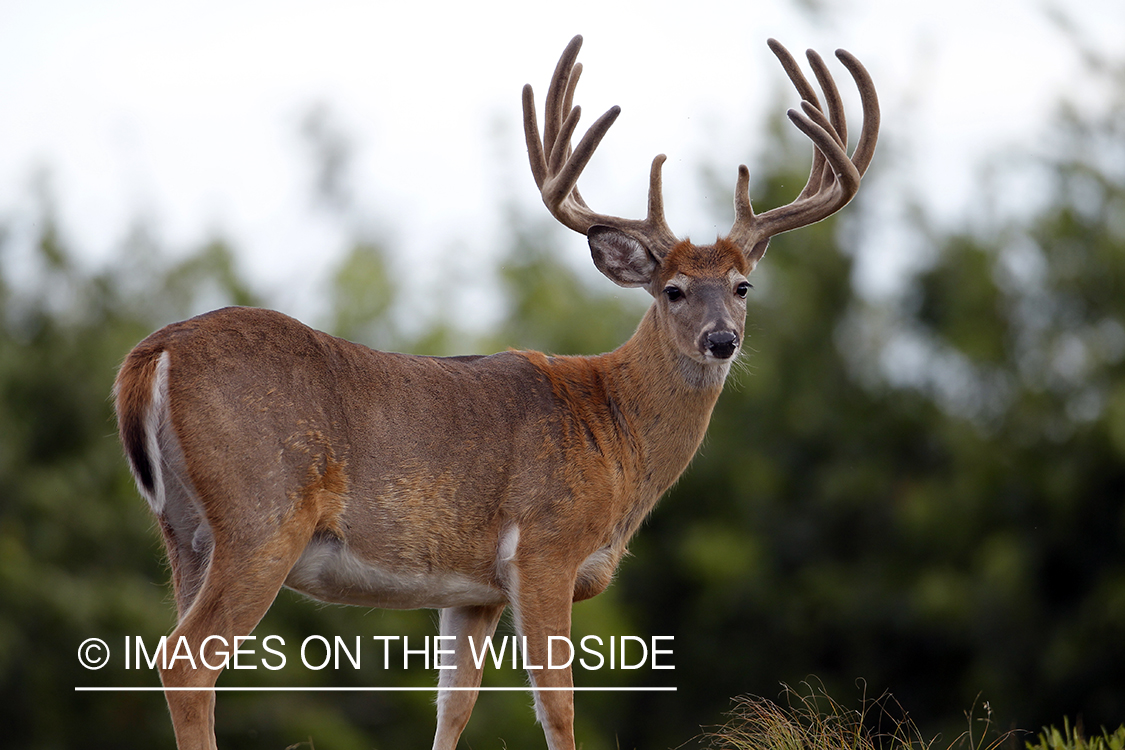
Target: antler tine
539,151
562,182
821,172
793,70
571,85
531,136
561,150
836,123
869,100
834,178
808,94
832,98
557,93
556,166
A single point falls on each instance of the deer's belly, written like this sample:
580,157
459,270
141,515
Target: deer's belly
328,571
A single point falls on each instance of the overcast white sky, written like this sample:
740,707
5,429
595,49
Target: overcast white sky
187,113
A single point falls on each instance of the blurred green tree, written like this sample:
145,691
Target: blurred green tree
77,556
926,493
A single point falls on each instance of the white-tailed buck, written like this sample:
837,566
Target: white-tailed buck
275,455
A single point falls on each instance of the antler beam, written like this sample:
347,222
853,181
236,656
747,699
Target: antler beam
833,180
834,177
556,167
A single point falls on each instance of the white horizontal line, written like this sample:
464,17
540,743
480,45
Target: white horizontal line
367,689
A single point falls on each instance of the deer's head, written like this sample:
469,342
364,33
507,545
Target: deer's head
699,290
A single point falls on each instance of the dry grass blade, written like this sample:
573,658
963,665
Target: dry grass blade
812,720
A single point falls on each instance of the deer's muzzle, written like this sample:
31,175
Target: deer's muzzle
722,344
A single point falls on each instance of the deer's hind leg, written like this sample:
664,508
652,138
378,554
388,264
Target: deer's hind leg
241,582
249,546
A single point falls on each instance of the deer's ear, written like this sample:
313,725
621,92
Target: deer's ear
621,257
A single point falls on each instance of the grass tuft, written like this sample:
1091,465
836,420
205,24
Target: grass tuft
1072,738
812,720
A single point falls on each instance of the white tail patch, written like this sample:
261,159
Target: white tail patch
156,422
172,498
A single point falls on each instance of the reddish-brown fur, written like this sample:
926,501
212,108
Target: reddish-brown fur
703,261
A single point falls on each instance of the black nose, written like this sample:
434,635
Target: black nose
722,344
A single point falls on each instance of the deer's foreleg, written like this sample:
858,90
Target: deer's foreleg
543,606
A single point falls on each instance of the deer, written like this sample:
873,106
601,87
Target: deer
272,454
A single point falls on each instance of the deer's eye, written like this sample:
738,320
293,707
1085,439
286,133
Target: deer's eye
673,293
742,289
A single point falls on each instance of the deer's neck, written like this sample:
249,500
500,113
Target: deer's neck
665,398
644,408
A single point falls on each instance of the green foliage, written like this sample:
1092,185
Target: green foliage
1072,738
549,307
77,554
363,293
943,525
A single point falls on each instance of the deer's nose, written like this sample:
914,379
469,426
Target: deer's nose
722,344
